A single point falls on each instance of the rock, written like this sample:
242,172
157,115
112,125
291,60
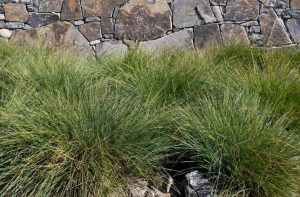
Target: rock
197,186
184,13
276,3
182,40
256,39
294,13
15,12
295,4
218,2
92,19
205,11
218,13
2,17
233,33
273,29
62,35
207,35
111,49
91,31
241,10
41,19
5,33
107,25
1,9
293,26
50,5
143,20
71,10
14,25
103,8
77,22
250,23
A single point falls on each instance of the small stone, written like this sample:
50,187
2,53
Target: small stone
294,13
14,25
273,29
207,35
107,25
1,9
41,19
197,185
205,11
27,27
103,8
295,4
116,12
184,13
108,36
94,42
241,10
2,24
91,31
139,20
276,3
2,17
293,26
111,49
218,2
250,23
92,19
50,5
71,10
218,13
255,29
15,12
5,33
182,40
233,33
78,22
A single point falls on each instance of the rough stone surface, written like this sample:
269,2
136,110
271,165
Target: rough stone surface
42,19
184,13
5,33
15,12
233,33
2,17
91,31
242,10
107,25
111,49
50,6
60,34
207,35
273,29
218,13
14,25
293,26
102,8
197,185
295,4
71,10
143,20
182,40
205,11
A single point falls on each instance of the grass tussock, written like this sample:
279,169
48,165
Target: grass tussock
73,127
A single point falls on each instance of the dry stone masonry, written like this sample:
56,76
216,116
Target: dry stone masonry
109,27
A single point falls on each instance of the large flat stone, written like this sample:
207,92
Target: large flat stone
273,29
233,33
184,13
207,35
15,12
115,49
50,5
143,20
91,31
61,35
295,4
182,40
41,19
241,10
71,10
103,8
293,26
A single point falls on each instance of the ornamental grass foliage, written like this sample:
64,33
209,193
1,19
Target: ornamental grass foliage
77,127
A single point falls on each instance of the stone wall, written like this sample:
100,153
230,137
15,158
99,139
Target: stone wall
109,27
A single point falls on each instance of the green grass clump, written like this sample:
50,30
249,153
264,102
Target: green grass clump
75,127
236,143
